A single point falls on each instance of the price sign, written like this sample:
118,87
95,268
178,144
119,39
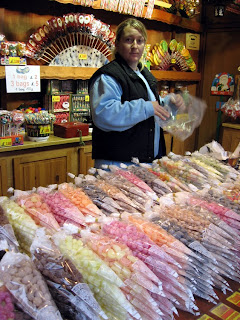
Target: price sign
21,79
82,56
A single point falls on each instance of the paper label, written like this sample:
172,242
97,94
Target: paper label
192,41
44,129
225,312
82,56
235,298
14,60
55,98
5,142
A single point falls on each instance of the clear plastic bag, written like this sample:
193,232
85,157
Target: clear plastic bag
182,122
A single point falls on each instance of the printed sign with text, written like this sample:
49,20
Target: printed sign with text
21,79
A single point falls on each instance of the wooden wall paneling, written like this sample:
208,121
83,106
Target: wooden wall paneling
3,177
222,55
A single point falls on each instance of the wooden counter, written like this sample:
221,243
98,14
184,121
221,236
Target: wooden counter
230,136
35,164
52,141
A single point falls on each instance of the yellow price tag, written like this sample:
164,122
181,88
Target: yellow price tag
14,60
6,142
55,98
87,97
44,129
173,61
82,56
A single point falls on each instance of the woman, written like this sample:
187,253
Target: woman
124,101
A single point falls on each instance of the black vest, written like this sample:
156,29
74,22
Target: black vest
137,141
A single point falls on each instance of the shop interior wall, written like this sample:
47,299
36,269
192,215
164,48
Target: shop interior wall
221,54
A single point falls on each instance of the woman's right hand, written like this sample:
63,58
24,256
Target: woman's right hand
160,111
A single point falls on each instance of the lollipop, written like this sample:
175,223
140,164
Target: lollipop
18,120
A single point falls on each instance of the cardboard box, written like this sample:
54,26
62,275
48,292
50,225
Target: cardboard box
10,141
70,129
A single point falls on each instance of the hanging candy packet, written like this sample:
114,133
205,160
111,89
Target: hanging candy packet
27,286
182,122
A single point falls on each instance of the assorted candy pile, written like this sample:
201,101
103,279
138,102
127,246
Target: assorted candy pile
130,242
39,117
231,108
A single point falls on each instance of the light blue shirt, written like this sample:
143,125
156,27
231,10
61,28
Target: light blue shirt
110,114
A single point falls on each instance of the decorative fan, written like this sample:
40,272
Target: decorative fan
76,39
178,58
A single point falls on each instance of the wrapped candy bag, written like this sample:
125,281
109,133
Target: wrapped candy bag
164,266
173,183
8,307
189,232
138,279
38,210
119,197
80,199
23,225
62,208
8,241
72,296
99,197
27,286
135,180
102,280
182,122
128,188
6,304
187,174
150,179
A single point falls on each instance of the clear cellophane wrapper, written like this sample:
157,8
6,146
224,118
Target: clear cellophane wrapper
23,225
161,263
182,122
8,241
102,280
99,197
27,286
129,189
62,208
72,296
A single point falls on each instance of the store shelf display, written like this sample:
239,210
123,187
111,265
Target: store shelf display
76,39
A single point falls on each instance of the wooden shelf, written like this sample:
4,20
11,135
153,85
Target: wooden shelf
176,75
158,15
84,73
61,73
